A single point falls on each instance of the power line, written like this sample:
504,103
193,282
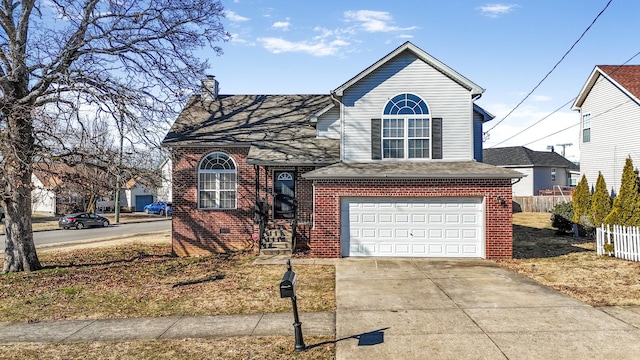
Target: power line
553,68
563,105
535,123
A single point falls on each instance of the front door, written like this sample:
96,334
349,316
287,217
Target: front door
284,194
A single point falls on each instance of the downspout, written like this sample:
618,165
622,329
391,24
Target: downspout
333,98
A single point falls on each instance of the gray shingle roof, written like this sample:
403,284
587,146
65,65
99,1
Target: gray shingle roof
246,119
413,170
305,152
520,156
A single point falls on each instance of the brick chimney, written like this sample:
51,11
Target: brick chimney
209,88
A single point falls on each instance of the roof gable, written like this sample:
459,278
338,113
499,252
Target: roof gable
422,55
625,77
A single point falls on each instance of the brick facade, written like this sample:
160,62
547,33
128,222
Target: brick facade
325,235
205,231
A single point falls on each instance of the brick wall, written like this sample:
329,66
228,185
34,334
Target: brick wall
205,231
325,235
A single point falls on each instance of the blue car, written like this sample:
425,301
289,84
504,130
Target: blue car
158,208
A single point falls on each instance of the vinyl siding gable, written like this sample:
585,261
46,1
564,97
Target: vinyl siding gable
328,126
615,130
406,73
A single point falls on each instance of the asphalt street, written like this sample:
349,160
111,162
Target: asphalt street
55,236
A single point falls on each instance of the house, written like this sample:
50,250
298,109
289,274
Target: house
381,166
609,106
164,191
51,194
543,170
43,196
136,193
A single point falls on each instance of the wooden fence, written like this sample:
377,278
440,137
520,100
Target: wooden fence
625,240
537,203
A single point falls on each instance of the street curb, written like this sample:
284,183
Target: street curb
97,240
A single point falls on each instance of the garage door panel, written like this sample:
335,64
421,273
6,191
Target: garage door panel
452,219
437,227
436,219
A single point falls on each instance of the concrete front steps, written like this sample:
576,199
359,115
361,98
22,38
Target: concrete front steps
276,242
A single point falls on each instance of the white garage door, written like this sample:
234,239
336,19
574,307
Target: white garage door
412,227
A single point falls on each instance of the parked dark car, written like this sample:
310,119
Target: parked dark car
158,208
82,220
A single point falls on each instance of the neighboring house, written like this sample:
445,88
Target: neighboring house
50,194
543,170
609,105
382,166
136,194
43,196
164,191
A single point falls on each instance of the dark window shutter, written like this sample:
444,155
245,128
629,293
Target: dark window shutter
376,141
436,141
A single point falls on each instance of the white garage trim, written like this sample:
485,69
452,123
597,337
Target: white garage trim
413,227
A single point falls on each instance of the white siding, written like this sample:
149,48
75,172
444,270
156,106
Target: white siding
407,74
165,192
615,130
42,200
524,187
328,126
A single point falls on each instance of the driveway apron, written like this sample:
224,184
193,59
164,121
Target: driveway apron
466,309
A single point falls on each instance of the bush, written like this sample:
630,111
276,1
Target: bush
561,216
600,202
581,201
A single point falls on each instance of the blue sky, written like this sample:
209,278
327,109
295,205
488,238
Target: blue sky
312,47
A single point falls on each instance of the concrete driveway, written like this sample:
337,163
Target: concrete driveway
467,309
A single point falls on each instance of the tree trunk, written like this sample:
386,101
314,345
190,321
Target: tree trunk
20,251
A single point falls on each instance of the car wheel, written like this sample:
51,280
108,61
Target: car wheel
146,211
105,223
80,226
161,212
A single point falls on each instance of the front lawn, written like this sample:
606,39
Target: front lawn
571,265
144,280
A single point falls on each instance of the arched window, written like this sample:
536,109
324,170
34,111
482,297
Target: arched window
406,128
217,182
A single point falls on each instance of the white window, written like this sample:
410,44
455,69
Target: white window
217,182
553,174
406,128
586,127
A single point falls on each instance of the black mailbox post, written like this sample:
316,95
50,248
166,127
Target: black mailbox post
288,290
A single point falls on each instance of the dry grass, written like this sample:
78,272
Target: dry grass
263,348
571,265
144,280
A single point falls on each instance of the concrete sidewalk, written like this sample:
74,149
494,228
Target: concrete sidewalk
174,327
469,309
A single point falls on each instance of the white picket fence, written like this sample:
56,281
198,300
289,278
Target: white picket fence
625,240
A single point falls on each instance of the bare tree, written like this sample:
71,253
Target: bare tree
130,59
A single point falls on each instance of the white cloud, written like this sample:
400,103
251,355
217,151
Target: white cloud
232,16
374,21
537,137
283,25
495,10
540,98
405,36
320,48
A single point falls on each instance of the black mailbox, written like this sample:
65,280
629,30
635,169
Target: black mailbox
288,285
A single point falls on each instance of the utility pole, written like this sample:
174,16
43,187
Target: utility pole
119,169
564,146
